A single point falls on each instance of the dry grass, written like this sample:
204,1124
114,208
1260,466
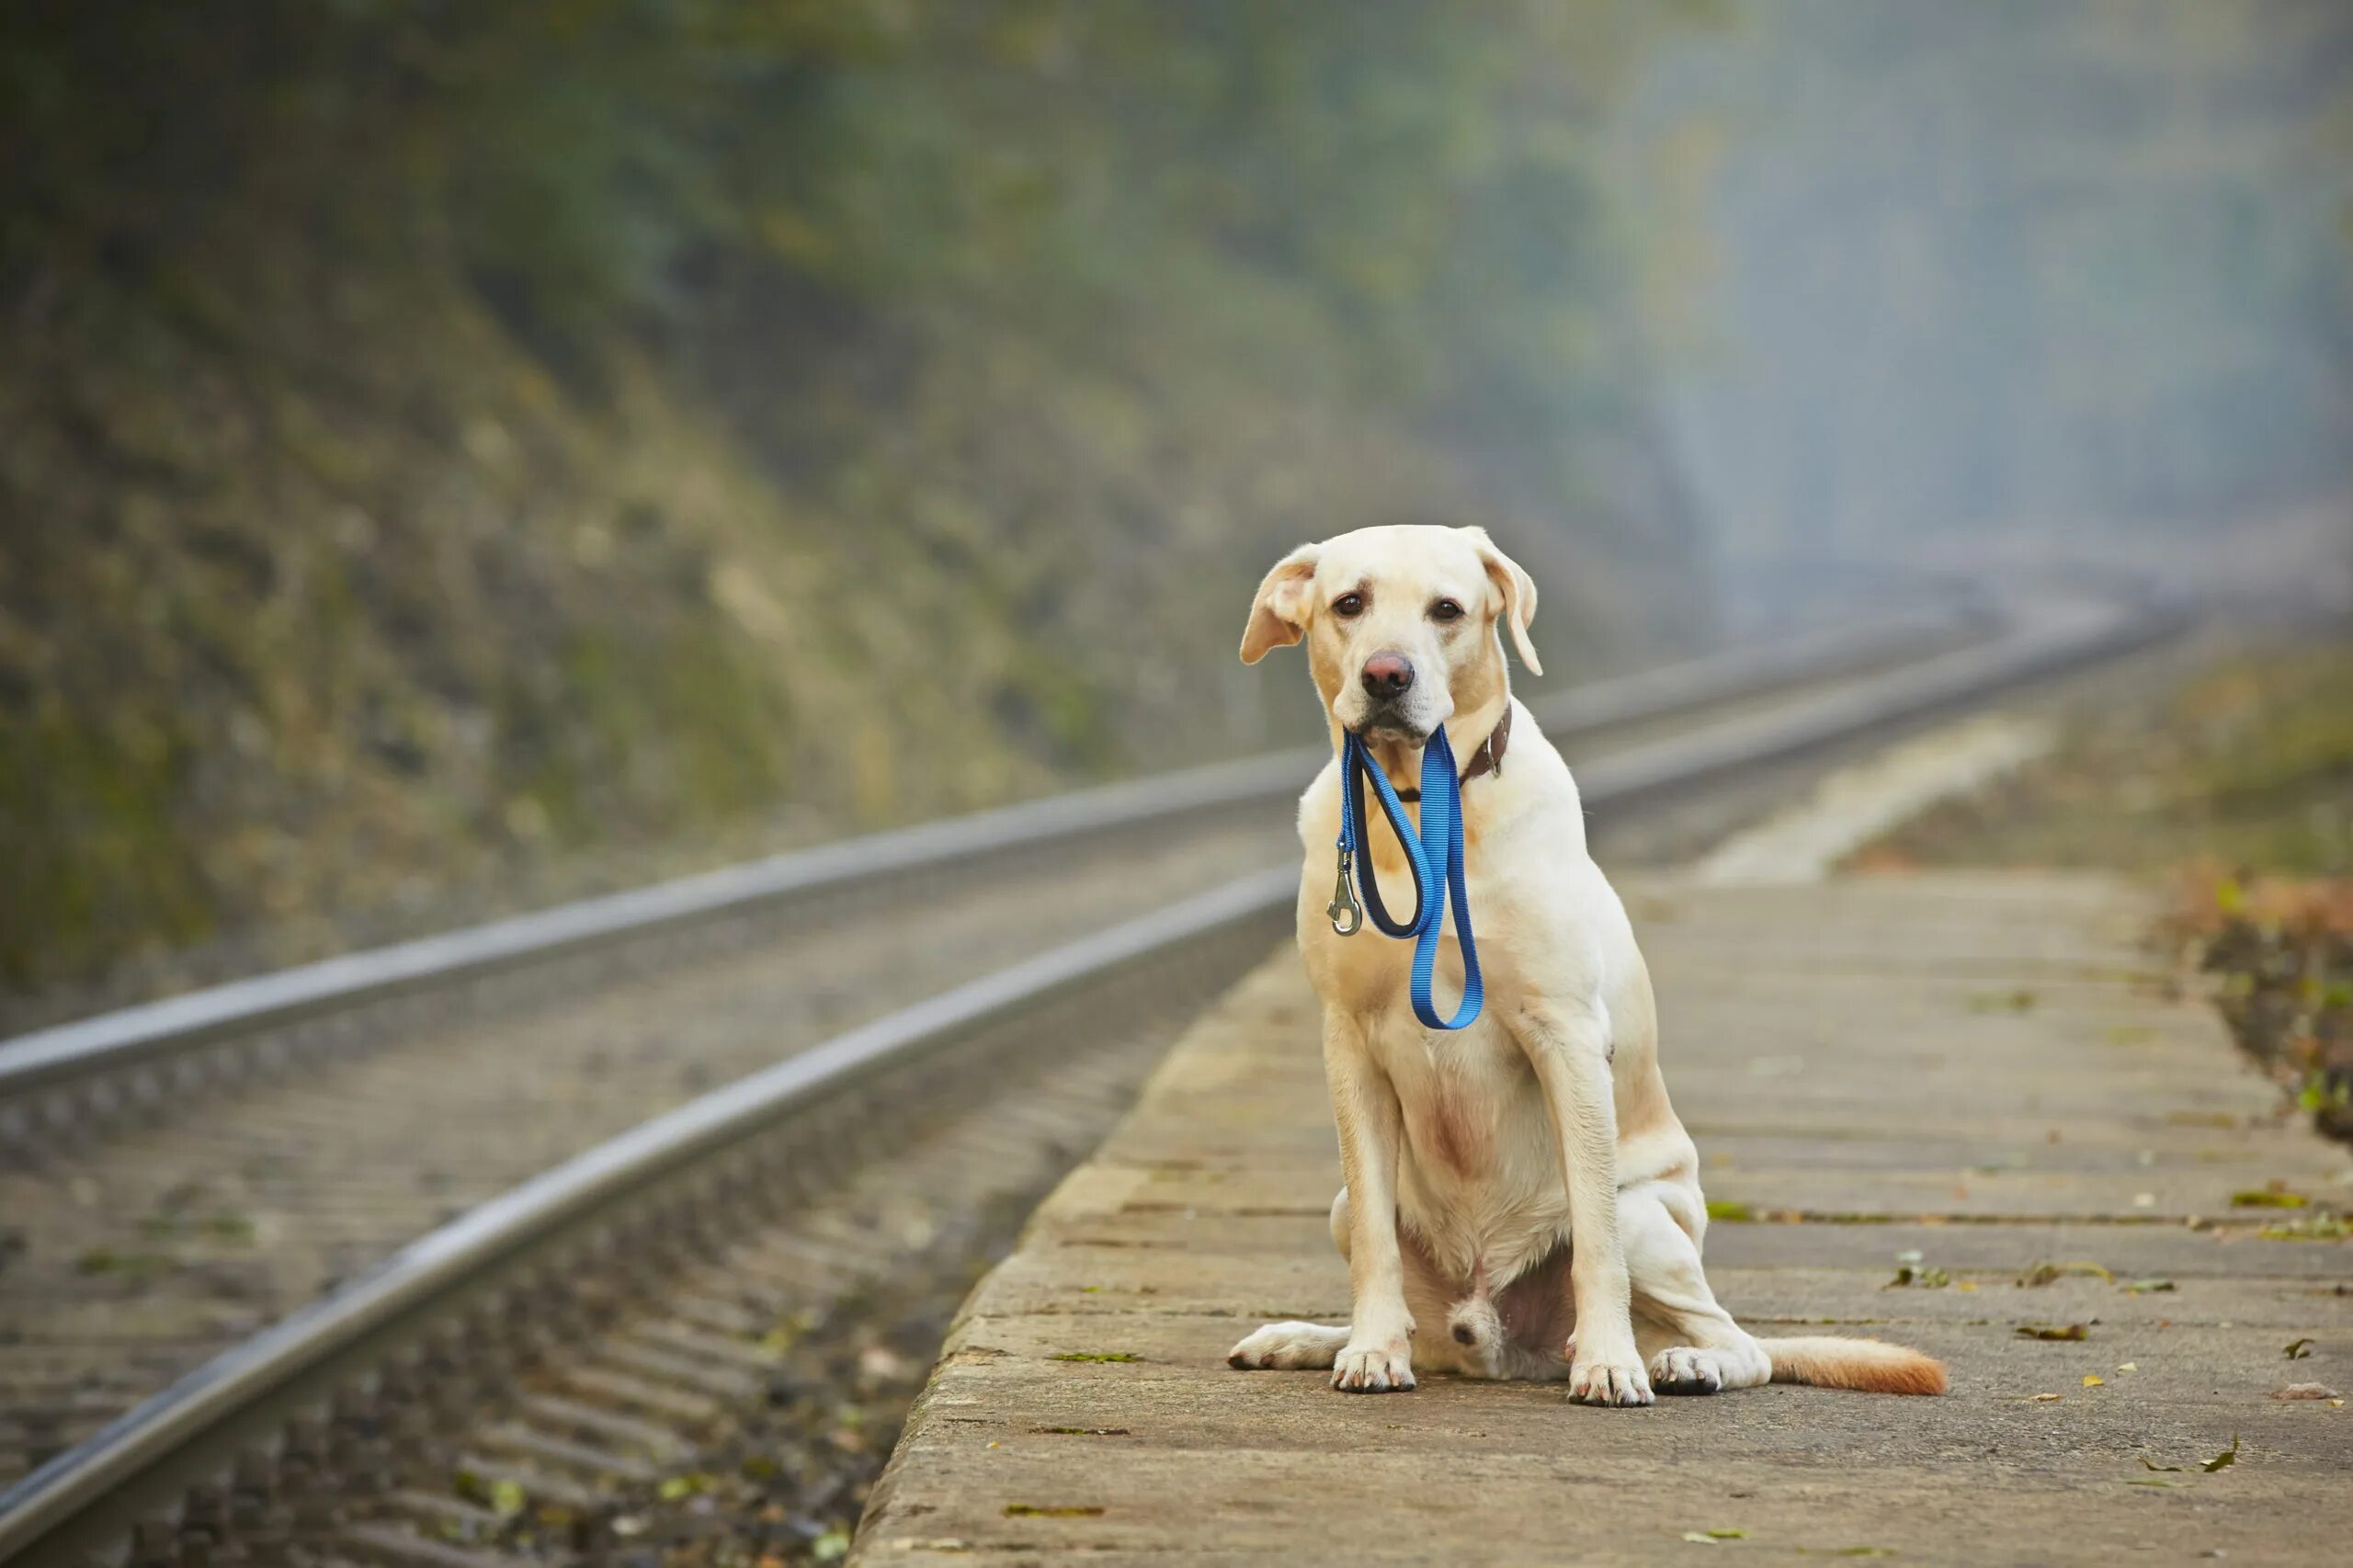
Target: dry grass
2281,952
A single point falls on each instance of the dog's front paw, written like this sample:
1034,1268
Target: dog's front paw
1373,1368
1611,1375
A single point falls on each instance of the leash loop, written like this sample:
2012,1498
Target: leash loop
1435,855
1356,765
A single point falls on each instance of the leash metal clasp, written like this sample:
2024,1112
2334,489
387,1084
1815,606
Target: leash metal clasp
1347,914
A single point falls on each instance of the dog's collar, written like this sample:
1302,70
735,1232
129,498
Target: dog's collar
1488,758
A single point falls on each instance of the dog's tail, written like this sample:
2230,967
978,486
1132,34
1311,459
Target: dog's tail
1863,1364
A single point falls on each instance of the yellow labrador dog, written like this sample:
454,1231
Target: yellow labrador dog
1520,1201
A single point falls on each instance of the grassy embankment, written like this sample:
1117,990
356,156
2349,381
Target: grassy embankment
446,448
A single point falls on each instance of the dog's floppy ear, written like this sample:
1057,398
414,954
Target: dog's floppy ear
1279,614
1517,590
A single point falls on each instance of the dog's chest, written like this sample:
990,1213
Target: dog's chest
1476,1175
1465,1099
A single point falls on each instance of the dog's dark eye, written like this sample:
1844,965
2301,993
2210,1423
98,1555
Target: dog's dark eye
1445,610
1349,605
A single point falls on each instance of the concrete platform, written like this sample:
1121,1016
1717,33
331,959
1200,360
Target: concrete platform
1980,1068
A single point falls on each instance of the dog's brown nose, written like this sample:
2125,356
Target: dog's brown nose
1388,675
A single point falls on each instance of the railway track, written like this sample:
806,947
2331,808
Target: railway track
559,1341
176,1176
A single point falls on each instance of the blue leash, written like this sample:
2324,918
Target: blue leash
1435,855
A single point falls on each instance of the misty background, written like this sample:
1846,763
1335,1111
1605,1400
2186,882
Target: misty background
456,455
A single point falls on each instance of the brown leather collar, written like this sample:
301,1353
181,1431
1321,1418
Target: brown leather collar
1488,758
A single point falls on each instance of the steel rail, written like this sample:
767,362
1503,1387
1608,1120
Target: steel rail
150,1032
166,1433
1736,674
2058,639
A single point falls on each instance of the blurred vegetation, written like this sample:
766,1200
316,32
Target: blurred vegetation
2247,764
436,435
2077,269
2282,950
442,439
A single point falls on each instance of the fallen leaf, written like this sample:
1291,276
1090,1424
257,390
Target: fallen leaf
2093,1380
2151,1481
2048,1398
2305,1391
2299,1350
2127,1366
2224,1460
2142,1287
1710,1537
2266,1199
1910,1271
2050,1331
2040,1273
2309,1228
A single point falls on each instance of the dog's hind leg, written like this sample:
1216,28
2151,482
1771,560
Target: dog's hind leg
1691,1343
1428,1296
1287,1346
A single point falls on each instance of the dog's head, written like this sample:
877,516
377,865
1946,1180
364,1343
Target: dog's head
1403,624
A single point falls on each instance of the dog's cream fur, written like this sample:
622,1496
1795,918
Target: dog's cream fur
1520,1201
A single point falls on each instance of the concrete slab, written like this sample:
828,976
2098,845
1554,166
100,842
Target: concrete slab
1864,1082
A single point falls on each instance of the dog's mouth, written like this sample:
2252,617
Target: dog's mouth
1391,727
1397,720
